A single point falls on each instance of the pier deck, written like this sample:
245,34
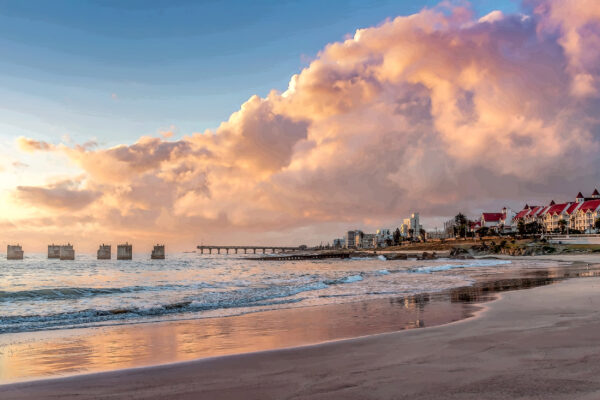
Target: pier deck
253,249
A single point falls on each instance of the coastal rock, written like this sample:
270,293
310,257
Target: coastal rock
428,256
396,256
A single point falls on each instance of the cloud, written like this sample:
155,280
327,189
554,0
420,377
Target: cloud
435,112
31,145
61,196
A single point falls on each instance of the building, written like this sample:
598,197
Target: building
579,215
350,241
358,237
411,228
585,216
368,241
383,237
339,243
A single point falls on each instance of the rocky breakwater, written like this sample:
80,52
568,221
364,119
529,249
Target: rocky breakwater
405,256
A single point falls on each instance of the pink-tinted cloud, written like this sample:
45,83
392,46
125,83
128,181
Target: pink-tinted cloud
64,195
435,112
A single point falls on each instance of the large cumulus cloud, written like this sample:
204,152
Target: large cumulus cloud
435,112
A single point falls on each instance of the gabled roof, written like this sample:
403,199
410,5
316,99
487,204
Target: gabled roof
557,208
572,208
552,203
590,205
579,196
542,211
522,213
490,217
595,193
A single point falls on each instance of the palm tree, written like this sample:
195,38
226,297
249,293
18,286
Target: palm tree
562,224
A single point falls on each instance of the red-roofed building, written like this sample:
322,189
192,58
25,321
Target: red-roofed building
586,214
553,214
500,222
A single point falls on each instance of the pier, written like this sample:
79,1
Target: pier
246,249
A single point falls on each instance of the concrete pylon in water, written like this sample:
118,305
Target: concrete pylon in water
104,252
67,252
14,252
53,251
158,253
124,252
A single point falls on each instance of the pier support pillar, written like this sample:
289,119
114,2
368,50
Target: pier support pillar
254,250
219,250
227,249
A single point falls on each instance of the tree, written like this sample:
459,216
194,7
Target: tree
397,237
597,224
483,231
423,234
562,225
460,222
533,228
411,232
521,227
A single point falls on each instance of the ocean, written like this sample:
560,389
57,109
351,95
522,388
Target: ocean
38,294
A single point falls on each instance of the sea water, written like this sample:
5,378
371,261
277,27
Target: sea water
42,294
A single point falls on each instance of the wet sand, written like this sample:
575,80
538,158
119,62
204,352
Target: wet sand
531,344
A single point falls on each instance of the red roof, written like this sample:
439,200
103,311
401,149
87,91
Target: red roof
539,211
595,193
579,196
572,208
590,205
522,213
490,217
557,208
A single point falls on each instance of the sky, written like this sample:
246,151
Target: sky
287,122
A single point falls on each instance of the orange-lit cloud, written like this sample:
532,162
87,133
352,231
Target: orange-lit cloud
435,112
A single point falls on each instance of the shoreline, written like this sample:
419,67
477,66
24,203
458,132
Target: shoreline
76,351
527,328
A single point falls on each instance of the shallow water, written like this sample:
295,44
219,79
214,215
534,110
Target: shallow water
40,294
340,299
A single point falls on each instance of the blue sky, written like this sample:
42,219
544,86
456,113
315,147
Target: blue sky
116,70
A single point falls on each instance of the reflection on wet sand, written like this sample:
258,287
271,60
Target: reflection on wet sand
45,354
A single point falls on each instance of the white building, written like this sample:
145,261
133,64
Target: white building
411,227
382,236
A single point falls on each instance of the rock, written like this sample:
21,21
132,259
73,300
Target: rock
428,256
396,256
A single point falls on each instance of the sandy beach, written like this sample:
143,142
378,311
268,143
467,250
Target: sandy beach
540,343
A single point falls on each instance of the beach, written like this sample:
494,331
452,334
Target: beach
539,343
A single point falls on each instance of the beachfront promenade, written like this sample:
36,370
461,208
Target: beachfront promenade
274,249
